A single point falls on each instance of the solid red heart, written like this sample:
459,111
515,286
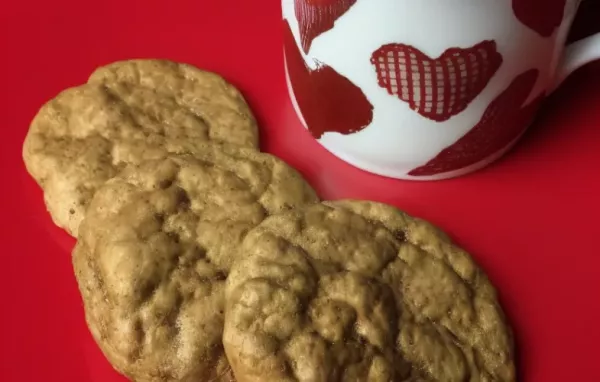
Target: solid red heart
328,101
439,88
543,16
318,16
504,121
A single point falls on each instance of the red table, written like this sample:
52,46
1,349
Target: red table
531,220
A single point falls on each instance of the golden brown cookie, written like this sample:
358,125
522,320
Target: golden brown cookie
359,291
85,135
155,249
207,95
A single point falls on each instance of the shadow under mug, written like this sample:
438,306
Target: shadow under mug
428,89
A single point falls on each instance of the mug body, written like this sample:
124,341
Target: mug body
422,90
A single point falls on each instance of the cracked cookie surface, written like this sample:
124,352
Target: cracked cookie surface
205,94
359,291
87,134
155,249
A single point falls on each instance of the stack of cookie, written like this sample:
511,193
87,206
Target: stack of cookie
200,258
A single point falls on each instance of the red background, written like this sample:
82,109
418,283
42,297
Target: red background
531,219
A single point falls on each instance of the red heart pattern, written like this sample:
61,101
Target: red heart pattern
543,16
504,120
318,16
328,101
440,88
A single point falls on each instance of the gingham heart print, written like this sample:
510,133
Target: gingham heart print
318,16
439,88
543,16
505,119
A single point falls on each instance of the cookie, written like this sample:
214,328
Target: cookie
207,95
359,291
87,134
155,249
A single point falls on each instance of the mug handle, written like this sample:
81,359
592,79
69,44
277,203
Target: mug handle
576,55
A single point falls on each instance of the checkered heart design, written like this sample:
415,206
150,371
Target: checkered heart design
318,16
439,88
505,119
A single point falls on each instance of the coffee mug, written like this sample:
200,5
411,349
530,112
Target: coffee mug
426,89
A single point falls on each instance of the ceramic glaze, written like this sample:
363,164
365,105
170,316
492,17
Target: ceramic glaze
425,90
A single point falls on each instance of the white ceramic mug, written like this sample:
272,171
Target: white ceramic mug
426,89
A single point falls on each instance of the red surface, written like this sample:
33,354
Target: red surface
542,199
